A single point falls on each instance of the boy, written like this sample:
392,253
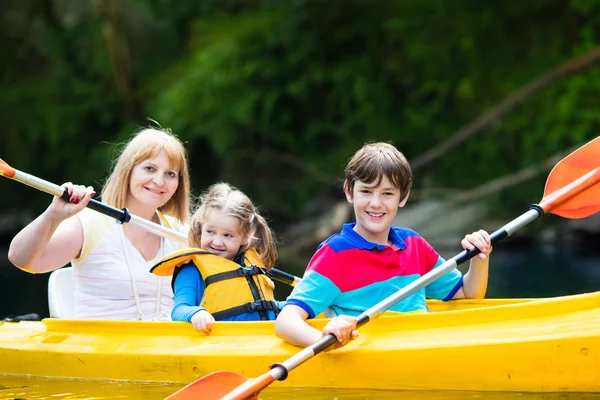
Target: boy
370,260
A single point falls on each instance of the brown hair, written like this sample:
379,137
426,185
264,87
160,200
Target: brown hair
233,202
374,161
146,145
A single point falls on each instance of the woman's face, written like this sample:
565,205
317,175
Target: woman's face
153,182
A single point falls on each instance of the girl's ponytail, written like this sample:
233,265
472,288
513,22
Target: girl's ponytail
263,240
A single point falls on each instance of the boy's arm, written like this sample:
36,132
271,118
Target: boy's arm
291,326
475,280
309,298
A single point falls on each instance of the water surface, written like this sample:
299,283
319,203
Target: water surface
39,388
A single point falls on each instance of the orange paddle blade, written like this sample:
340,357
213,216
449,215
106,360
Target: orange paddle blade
212,386
251,388
571,189
6,169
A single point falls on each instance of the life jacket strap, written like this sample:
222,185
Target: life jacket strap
236,273
258,305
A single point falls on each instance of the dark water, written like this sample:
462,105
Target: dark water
543,273
39,388
514,272
21,292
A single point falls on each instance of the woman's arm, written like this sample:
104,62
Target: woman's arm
54,238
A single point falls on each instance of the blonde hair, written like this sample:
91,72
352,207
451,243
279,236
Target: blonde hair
145,145
374,161
233,202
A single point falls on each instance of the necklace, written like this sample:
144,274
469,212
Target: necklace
157,311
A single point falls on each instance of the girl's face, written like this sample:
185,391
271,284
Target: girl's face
153,182
221,234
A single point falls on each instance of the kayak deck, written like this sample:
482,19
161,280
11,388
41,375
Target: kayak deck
525,345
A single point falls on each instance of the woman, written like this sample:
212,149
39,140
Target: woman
111,262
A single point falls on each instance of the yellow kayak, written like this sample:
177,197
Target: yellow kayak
522,345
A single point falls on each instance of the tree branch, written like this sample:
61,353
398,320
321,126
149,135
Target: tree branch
507,181
113,30
301,165
573,66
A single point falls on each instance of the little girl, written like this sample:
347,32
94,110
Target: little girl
223,277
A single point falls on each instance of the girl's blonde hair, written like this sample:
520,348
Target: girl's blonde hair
233,202
145,145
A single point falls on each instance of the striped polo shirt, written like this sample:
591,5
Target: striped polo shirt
350,274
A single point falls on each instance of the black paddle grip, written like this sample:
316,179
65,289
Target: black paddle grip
468,254
323,343
316,347
330,339
282,276
123,216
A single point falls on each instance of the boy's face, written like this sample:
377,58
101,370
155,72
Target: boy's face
375,208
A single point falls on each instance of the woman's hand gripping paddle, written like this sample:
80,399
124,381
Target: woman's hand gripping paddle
122,216
572,191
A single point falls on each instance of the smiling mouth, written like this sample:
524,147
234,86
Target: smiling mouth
154,191
375,215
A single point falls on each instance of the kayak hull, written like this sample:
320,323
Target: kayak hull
530,345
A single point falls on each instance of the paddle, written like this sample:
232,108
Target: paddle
122,216
571,191
19,318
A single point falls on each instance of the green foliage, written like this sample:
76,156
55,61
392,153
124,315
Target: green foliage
275,96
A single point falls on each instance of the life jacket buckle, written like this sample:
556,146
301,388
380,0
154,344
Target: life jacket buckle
253,270
258,305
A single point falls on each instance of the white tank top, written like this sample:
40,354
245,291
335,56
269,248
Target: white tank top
113,280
